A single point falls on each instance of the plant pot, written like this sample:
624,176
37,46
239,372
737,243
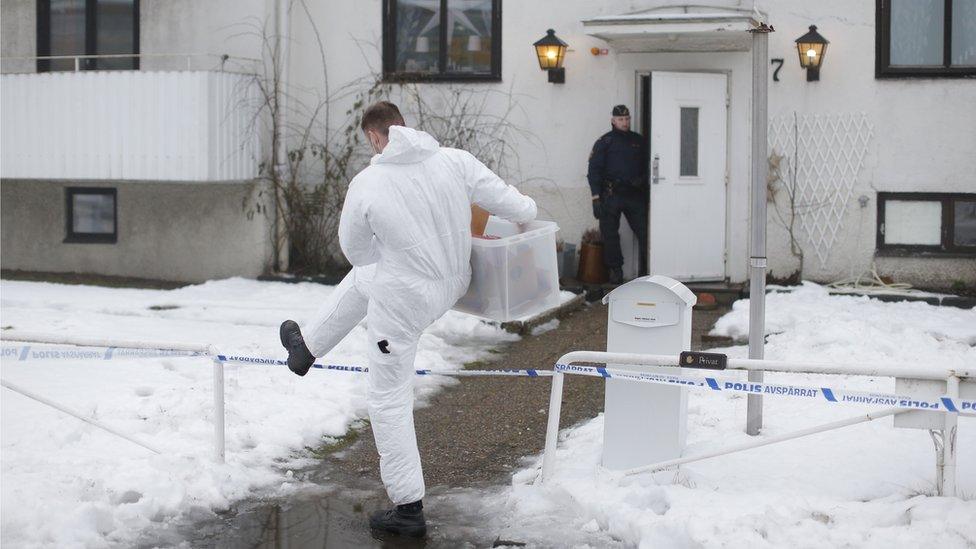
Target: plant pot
591,267
567,261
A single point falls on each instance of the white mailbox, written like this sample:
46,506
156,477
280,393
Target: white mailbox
645,423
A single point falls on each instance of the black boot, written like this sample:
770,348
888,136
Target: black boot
300,359
404,520
616,275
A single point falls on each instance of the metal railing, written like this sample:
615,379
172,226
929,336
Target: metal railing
221,62
945,452
106,348
949,404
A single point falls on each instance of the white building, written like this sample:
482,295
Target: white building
880,152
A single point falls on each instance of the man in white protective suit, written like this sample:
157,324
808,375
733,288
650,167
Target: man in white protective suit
406,229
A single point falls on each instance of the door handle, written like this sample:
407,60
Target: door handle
656,169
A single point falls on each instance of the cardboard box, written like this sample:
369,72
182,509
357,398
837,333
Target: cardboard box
479,220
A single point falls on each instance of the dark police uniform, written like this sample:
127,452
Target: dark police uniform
618,176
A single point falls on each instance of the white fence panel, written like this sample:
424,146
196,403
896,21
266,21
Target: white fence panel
131,125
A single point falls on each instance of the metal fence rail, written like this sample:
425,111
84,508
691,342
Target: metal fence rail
106,349
950,404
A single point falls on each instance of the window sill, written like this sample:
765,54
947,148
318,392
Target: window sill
412,78
91,239
916,73
928,254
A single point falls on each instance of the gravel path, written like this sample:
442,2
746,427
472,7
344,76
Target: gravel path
478,431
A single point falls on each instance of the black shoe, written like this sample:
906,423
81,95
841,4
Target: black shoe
404,520
616,275
300,359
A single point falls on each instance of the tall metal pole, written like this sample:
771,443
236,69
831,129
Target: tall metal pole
757,217
281,167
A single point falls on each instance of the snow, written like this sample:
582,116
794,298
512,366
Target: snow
545,327
868,485
68,484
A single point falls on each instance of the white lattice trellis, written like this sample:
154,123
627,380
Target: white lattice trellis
824,153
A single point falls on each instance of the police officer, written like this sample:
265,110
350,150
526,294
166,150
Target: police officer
618,183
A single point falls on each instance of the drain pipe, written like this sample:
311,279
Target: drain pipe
757,217
282,30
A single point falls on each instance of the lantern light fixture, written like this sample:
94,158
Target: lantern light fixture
812,48
551,52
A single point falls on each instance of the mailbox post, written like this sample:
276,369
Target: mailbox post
645,423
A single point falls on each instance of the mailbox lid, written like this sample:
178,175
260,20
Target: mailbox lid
653,285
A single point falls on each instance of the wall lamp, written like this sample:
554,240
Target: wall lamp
551,51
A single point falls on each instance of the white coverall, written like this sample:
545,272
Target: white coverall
409,214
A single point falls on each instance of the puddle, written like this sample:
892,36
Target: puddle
332,517
337,518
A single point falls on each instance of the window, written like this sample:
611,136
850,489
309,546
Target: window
91,215
449,40
689,141
927,223
87,27
925,38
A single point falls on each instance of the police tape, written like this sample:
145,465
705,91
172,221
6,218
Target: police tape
728,384
365,369
734,385
59,352
54,352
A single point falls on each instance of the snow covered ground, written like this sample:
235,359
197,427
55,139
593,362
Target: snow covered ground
868,485
67,484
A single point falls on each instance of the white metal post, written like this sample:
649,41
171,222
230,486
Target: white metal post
757,218
218,390
552,428
948,485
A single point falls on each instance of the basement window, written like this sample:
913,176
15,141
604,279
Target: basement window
91,215
927,224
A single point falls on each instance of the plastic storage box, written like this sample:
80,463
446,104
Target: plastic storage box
515,275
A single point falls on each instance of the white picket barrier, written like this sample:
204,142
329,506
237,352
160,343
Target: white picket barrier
950,404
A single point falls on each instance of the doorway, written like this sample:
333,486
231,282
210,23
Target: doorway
685,116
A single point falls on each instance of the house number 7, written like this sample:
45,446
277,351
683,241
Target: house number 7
779,65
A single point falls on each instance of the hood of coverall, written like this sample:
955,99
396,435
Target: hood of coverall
407,146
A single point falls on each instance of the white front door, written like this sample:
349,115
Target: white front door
688,148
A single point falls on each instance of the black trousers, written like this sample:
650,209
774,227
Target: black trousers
633,204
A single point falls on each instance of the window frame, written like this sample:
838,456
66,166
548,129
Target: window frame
882,50
390,74
91,36
69,216
946,247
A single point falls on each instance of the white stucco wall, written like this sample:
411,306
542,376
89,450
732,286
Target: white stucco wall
923,128
924,136
214,27
18,31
